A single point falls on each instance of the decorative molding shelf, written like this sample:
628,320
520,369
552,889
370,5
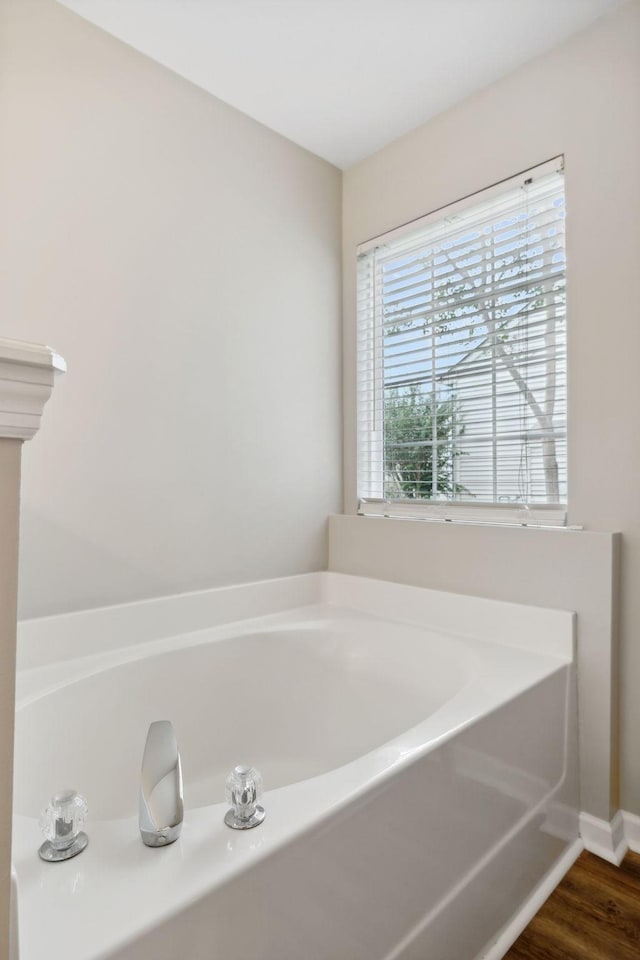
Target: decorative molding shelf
27,375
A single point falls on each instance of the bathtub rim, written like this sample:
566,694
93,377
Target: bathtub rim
496,675
65,636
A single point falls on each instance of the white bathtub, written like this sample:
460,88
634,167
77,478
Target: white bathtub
417,748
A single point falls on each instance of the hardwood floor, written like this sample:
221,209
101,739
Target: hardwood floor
594,914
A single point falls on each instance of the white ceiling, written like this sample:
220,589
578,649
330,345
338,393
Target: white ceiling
341,77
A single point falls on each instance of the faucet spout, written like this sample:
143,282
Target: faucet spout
161,798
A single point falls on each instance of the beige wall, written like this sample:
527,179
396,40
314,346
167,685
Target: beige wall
9,511
581,99
185,262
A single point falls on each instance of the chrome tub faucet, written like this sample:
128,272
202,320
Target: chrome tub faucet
161,796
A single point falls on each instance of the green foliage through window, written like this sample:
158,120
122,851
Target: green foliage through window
420,450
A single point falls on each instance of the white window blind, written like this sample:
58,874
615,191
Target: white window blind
462,372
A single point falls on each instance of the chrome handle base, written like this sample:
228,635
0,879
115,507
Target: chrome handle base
237,823
54,855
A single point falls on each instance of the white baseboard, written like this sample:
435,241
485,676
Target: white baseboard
607,839
632,830
528,910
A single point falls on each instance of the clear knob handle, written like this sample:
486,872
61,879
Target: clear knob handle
60,822
243,791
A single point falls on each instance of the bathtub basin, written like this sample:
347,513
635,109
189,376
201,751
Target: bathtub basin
418,753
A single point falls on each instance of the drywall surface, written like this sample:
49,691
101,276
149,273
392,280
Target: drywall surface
9,514
559,569
581,99
185,261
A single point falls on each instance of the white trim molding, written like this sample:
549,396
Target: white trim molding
14,953
27,374
632,830
606,839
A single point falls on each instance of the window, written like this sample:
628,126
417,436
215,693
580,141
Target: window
462,371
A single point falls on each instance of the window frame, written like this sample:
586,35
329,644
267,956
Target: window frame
370,442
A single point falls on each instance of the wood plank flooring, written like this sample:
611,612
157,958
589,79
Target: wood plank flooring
594,914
